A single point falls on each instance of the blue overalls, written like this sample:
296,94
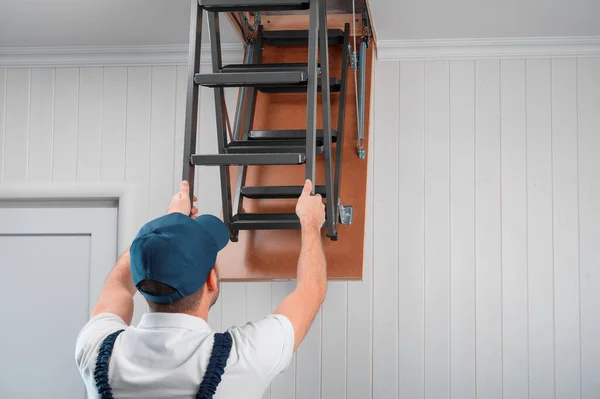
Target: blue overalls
208,387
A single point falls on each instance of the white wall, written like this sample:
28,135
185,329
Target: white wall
486,237
488,283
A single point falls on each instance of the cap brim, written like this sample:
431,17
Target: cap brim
216,228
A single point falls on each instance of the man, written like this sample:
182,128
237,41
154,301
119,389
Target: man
173,353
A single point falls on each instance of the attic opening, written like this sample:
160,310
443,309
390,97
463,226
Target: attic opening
302,112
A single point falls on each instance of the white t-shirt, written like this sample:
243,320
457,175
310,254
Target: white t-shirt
166,356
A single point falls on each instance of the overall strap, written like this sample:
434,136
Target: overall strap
216,366
101,371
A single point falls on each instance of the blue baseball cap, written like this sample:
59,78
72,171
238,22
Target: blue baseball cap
178,251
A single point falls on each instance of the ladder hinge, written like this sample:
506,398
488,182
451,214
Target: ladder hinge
346,214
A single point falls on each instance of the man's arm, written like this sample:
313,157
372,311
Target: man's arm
302,305
113,312
117,294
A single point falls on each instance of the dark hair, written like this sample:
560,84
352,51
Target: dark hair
180,306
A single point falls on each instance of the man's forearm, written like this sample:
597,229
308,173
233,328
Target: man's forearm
117,294
302,305
122,273
312,266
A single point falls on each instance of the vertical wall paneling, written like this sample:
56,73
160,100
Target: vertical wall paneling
481,255
284,385
385,274
258,301
462,229
139,91
66,124
334,341
566,229
514,228
308,362
589,222
16,125
41,117
540,222
3,76
162,138
258,305
411,230
232,313
359,306
488,256
437,230
114,123
90,124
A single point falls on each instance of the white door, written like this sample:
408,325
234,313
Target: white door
53,262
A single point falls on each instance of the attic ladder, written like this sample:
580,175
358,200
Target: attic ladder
275,147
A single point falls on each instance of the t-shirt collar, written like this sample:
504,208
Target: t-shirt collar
172,320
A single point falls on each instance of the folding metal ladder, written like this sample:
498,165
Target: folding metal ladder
245,147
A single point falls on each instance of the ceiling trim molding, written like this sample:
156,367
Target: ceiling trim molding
80,56
494,48
387,50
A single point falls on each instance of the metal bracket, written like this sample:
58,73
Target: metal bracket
362,82
248,29
353,58
346,214
366,27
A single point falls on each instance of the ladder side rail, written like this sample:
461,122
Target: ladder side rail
247,120
311,107
219,92
326,104
192,93
341,120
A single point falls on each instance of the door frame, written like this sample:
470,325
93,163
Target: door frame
127,196
129,219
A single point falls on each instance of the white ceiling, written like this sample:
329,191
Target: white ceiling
451,19
33,23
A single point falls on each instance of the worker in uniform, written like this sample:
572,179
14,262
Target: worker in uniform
172,352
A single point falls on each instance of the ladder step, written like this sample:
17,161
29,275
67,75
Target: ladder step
334,86
265,221
249,68
248,159
299,37
254,5
286,135
261,79
271,147
282,192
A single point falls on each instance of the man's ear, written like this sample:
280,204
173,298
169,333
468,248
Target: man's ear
212,283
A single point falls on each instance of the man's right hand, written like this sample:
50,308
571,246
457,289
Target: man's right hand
310,208
180,203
